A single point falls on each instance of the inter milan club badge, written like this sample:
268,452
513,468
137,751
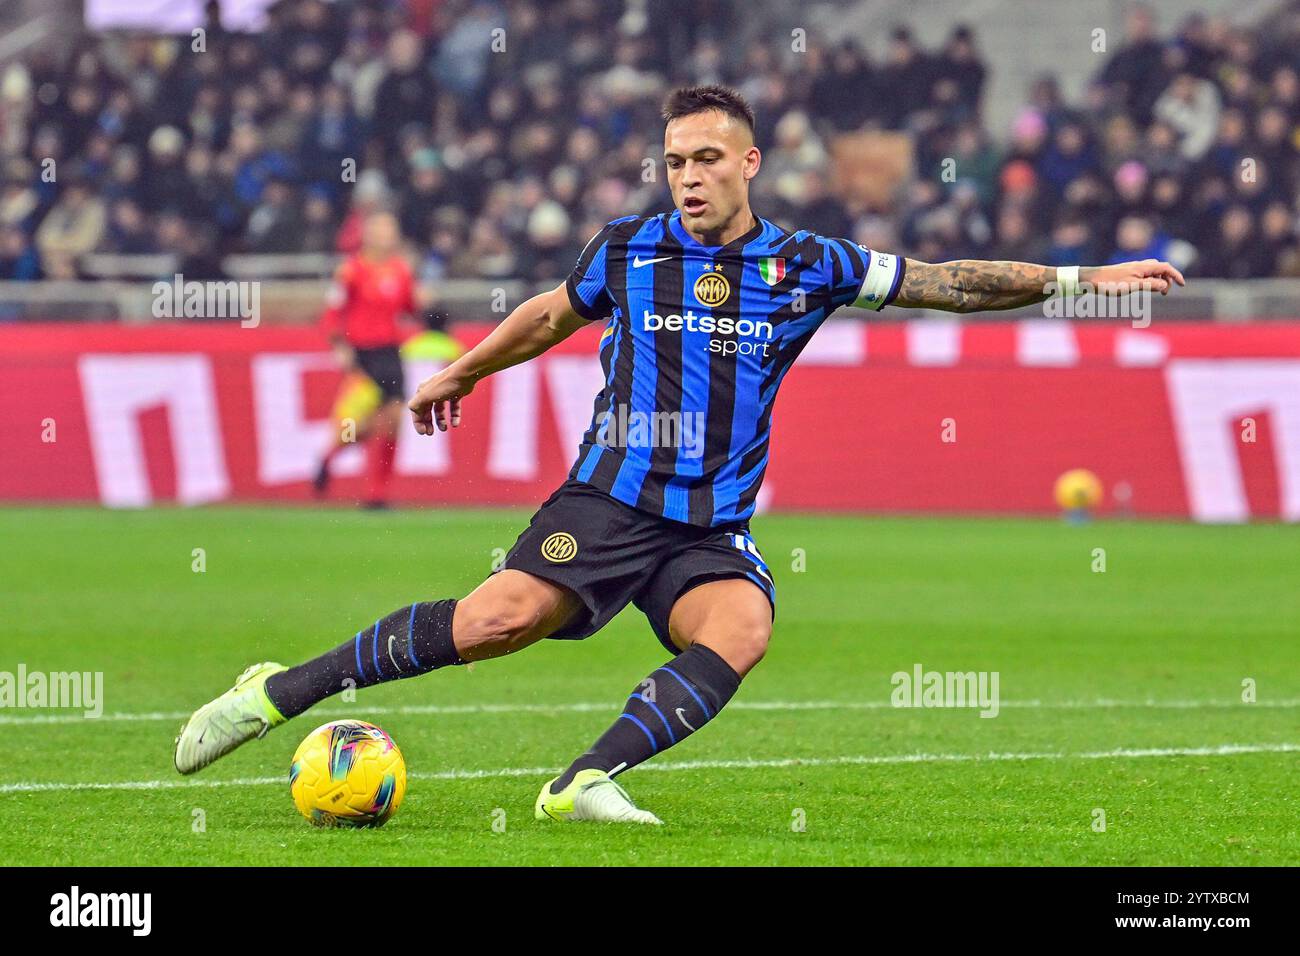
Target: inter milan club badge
712,288
772,269
559,547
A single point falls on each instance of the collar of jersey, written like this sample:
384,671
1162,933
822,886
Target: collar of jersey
689,241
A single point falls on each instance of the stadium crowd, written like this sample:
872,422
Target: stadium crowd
503,152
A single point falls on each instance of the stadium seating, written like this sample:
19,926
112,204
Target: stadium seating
501,171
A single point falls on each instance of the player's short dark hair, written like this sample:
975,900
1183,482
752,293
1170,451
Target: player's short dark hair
688,100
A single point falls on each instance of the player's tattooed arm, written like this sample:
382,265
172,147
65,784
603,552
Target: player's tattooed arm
975,285
978,285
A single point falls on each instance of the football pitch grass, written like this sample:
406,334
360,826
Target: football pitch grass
1120,696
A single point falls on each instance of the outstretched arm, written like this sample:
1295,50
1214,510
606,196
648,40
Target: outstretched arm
978,285
525,333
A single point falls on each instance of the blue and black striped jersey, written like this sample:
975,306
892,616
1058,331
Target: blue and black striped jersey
697,342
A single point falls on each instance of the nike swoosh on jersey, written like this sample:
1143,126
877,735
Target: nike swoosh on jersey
682,718
638,262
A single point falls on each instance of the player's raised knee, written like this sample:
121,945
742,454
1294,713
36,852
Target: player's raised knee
508,611
488,628
753,637
741,643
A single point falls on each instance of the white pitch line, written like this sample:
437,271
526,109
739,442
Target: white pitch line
1223,750
610,707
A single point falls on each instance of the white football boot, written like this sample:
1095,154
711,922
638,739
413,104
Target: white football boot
591,795
241,714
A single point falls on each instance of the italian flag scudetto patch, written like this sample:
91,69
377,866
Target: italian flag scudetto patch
772,269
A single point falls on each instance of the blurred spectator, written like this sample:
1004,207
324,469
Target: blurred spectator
903,84
1160,152
1191,107
818,209
317,222
18,260
976,163
1275,146
428,192
370,196
1141,237
1229,144
164,181
797,150
1134,72
275,223
462,61
1278,237
200,259
960,64
1068,156
128,230
1073,241
72,228
1017,238
1120,141
1172,207
1131,180
844,93
333,135
1236,253
19,204
405,95
254,164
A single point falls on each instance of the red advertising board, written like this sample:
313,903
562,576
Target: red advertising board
1183,419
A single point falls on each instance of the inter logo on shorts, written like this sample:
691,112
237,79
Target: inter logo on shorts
559,547
712,289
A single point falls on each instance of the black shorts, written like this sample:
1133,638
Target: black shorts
610,554
384,366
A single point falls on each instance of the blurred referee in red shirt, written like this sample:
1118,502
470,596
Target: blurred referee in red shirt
371,290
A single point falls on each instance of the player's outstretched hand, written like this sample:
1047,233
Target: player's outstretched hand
1149,274
437,401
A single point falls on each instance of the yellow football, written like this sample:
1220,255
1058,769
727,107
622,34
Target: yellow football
347,773
1078,489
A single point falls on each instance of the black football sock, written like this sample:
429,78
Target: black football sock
412,640
667,707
